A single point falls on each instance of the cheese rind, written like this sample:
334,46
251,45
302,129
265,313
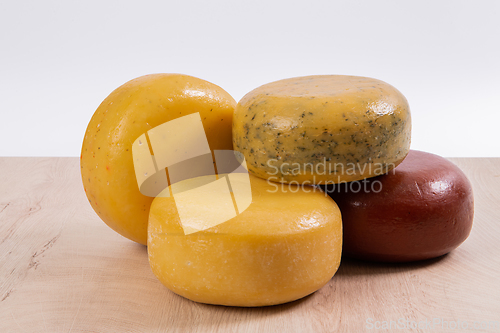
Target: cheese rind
107,167
318,129
284,246
422,209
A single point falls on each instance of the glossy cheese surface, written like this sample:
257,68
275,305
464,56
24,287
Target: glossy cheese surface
131,110
422,209
284,246
318,129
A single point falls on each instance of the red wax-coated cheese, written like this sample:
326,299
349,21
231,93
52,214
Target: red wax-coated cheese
420,210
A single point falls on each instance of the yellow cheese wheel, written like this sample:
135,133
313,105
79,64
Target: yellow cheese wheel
319,129
107,166
284,246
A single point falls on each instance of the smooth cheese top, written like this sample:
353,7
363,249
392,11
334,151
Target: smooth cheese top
332,119
275,210
344,87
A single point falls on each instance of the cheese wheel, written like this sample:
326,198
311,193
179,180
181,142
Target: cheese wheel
107,166
284,246
420,210
322,129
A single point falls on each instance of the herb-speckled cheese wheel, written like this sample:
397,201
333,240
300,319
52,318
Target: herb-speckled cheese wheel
286,245
322,129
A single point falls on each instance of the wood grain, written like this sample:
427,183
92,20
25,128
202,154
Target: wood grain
64,270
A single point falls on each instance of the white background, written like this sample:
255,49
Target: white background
60,59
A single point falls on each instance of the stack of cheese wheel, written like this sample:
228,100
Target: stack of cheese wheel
292,134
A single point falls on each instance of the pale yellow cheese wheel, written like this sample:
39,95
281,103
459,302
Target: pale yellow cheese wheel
318,129
284,246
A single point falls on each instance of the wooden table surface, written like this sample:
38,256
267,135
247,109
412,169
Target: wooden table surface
63,270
